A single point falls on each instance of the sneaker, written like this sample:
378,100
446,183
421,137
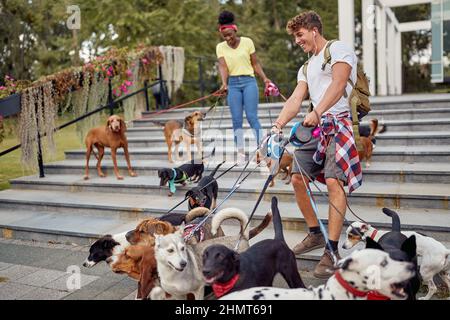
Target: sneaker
312,241
325,267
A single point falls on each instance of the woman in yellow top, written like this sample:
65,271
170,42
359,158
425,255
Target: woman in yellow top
237,65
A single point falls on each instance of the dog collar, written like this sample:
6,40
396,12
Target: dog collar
371,295
374,233
221,289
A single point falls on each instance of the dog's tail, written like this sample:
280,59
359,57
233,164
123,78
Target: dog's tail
230,213
277,224
264,223
396,226
195,213
215,170
373,127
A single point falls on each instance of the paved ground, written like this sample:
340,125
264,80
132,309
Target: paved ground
44,271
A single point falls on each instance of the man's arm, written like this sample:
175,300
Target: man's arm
292,105
340,75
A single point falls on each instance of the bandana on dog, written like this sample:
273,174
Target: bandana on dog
221,289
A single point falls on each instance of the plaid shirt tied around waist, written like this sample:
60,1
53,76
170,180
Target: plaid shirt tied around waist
340,126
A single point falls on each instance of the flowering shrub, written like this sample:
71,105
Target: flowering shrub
12,86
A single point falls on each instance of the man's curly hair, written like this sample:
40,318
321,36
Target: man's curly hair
307,20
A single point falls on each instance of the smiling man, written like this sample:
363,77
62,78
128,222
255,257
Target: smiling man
332,158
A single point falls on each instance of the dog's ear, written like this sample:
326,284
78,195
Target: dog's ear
372,244
159,173
409,246
189,194
157,240
110,243
123,126
108,122
344,264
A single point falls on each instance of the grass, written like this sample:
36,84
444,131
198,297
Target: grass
10,165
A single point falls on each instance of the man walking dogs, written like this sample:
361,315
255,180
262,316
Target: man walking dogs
332,158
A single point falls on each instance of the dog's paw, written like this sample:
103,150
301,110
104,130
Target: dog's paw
119,178
86,177
101,175
170,194
133,174
157,293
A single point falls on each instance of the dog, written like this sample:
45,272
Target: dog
433,256
191,170
400,248
353,280
139,263
284,165
145,231
228,271
179,264
367,141
188,132
111,136
107,248
205,193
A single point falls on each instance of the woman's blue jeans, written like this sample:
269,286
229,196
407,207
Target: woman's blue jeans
243,96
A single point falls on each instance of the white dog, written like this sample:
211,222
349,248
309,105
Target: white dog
179,264
434,257
358,274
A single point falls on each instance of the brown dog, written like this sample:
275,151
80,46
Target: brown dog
189,133
367,144
111,136
144,232
139,263
285,165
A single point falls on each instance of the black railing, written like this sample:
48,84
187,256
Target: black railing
110,105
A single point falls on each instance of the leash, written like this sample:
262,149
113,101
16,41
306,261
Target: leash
233,189
182,201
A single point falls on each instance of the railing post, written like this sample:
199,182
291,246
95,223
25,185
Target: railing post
200,79
147,105
39,146
110,98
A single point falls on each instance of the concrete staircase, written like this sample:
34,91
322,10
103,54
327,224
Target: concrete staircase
410,173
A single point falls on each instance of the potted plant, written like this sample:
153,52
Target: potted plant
10,96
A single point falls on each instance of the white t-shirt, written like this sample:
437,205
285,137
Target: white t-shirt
319,81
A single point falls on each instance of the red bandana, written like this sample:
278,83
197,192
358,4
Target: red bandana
371,295
221,289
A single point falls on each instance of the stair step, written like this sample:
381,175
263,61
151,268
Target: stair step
378,171
428,153
409,195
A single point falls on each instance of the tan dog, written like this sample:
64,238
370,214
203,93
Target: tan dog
189,133
366,152
144,233
285,165
111,136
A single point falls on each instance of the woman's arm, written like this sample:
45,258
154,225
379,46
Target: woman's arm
223,69
258,68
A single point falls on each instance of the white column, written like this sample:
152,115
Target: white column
398,64
391,57
368,41
346,11
381,52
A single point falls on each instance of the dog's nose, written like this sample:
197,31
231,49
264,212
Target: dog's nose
129,235
84,264
183,264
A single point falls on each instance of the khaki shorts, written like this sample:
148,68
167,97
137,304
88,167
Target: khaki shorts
304,157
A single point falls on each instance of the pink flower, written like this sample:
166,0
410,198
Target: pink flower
108,73
110,69
129,73
123,88
144,61
2,88
128,83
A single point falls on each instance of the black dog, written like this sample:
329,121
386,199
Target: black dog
205,193
101,250
229,271
400,248
191,170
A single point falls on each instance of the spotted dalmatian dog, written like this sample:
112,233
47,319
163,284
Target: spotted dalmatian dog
355,279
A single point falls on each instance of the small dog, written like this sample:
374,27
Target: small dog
111,136
180,175
367,142
354,280
107,248
179,263
400,248
176,132
228,271
284,165
205,193
434,257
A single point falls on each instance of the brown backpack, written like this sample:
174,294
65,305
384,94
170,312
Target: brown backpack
359,97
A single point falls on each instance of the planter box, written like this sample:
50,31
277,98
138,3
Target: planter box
10,105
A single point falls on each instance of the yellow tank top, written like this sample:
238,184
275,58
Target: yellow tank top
237,60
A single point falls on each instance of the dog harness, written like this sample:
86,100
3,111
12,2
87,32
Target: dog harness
370,295
339,127
221,289
200,232
172,181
